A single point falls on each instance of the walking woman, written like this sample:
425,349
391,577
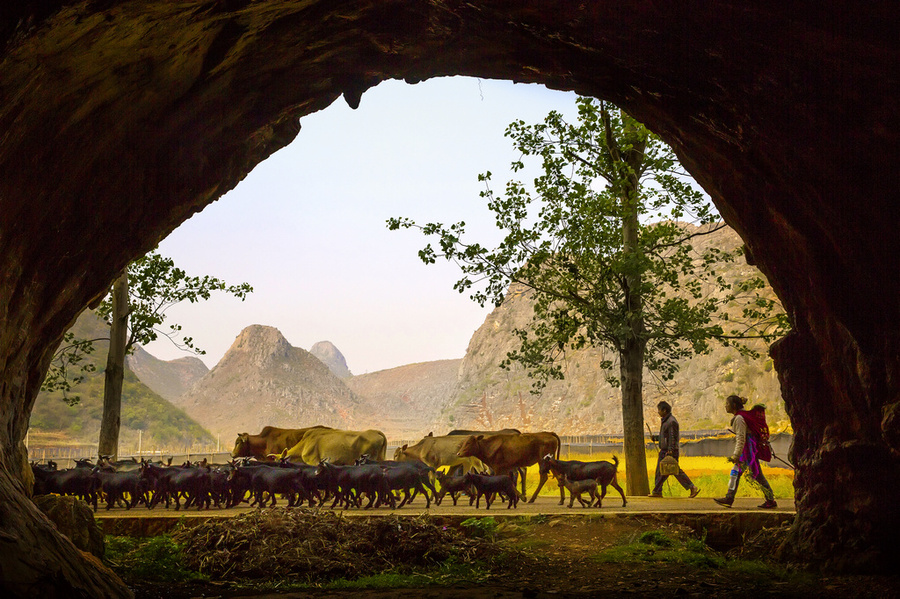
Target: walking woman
751,444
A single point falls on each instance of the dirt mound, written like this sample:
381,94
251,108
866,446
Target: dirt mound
317,546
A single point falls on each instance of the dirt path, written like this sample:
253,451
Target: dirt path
542,505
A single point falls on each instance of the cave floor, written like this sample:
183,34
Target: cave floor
560,559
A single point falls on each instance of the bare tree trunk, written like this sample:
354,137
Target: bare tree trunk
115,370
632,373
631,356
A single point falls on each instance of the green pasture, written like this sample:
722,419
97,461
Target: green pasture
711,474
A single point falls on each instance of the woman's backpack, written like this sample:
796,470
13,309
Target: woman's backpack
756,422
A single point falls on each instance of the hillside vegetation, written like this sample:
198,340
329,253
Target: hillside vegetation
53,422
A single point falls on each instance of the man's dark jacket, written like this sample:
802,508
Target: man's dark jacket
669,436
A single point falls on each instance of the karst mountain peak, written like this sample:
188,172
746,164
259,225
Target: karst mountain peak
332,357
260,344
263,380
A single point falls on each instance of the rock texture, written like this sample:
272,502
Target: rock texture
74,519
169,378
331,357
264,381
487,397
122,119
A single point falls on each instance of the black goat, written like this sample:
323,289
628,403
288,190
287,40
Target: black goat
603,472
487,486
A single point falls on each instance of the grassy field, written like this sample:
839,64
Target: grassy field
711,474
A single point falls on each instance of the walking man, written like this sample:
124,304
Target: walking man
668,446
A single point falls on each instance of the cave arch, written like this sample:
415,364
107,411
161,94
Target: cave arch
120,119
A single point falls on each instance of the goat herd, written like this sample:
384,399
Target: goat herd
366,484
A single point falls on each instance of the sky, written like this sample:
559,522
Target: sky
306,228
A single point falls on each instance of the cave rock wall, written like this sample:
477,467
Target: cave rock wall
120,119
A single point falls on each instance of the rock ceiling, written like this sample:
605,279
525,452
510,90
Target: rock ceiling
120,119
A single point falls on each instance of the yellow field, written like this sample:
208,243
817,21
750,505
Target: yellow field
710,474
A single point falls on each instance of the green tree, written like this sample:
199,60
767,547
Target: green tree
602,274
136,312
69,366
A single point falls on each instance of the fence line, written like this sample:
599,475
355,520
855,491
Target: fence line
88,450
589,445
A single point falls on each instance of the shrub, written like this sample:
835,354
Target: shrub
655,537
485,528
157,559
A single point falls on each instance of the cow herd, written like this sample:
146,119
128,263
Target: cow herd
322,466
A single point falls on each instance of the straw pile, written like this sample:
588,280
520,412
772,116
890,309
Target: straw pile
317,546
767,544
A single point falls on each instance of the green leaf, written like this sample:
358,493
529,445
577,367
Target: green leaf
599,274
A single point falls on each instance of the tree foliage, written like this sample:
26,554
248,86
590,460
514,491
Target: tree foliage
155,285
69,366
564,240
601,239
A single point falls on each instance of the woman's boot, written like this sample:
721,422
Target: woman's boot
732,488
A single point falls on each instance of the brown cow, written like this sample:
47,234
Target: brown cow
437,452
505,453
270,440
466,433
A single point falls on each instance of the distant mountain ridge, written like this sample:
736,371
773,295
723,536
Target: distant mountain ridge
170,379
264,381
408,399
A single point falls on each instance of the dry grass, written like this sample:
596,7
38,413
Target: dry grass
312,546
708,472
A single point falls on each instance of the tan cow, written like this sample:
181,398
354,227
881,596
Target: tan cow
439,451
339,447
506,453
271,440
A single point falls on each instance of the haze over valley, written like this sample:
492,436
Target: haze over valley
264,380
